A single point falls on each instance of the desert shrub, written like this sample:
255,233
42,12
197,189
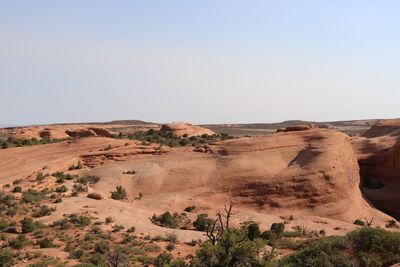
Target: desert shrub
45,243
102,247
170,247
117,258
320,252
96,259
109,220
119,193
78,166
19,242
44,210
127,239
31,196
202,222
392,224
57,200
51,261
28,225
117,228
190,208
17,189
376,245
76,253
164,259
61,189
96,196
40,176
171,237
80,220
278,229
61,176
11,212
169,220
233,249
152,248
6,257
131,229
253,231
63,224
17,181
3,224
78,188
359,222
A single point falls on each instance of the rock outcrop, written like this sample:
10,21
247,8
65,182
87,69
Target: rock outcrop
378,153
297,128
185,129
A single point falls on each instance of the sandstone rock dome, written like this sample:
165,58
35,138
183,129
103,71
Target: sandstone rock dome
184,128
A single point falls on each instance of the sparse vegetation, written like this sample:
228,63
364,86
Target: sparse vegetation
156,136
78,166
11,142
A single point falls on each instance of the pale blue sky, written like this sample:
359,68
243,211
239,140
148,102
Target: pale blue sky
199,61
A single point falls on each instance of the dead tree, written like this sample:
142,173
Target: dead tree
220,224
369,222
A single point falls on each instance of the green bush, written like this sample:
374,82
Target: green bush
28,225
381,246
19,242
31,196
320,252
359,222
119,193
6,257
169,220
17,189
45,243
44,210
61,189
233,249
202,222
278,229
253,231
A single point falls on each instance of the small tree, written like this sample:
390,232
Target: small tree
117,259
253,231
203,222
278,229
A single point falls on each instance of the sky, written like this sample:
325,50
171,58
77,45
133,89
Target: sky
206,61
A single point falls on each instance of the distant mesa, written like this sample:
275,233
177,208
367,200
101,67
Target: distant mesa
297,128
184,128
382,128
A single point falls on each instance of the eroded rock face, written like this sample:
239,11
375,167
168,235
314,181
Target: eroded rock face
384,128
313,169
183,128
298,128
378,153
80,133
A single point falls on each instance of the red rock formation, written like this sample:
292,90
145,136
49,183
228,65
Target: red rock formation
183,128
297,128
378,152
